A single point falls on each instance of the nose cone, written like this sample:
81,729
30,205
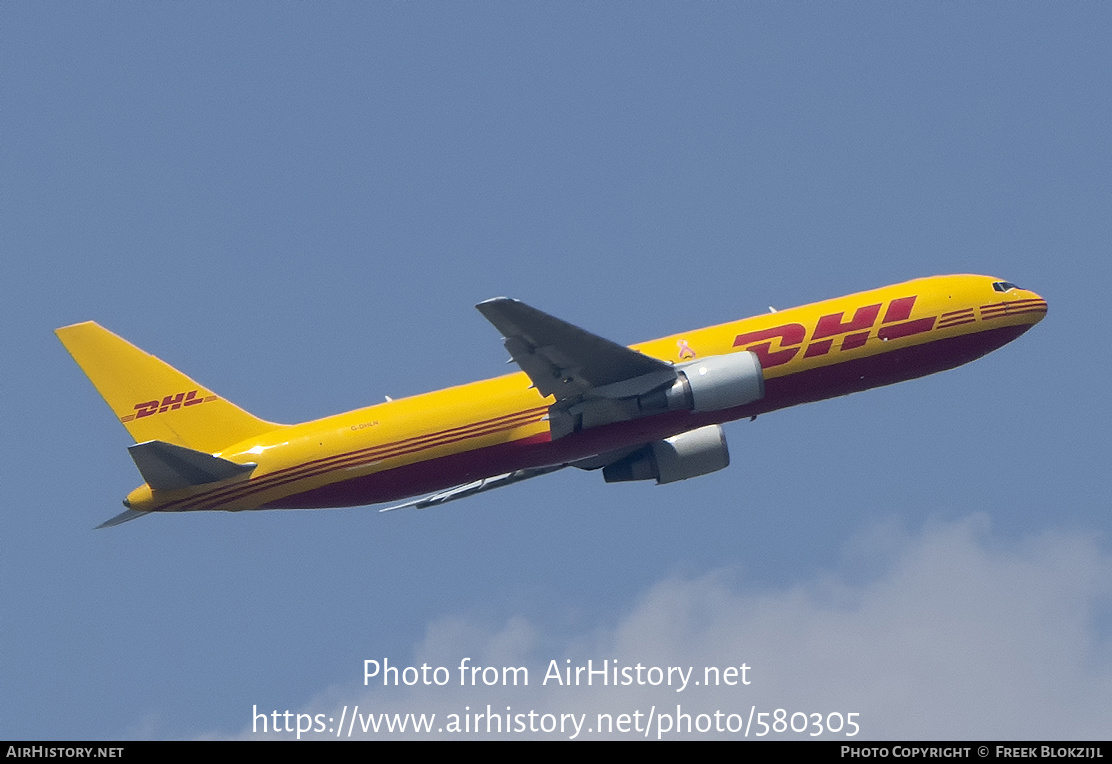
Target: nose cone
1029,305
1012,305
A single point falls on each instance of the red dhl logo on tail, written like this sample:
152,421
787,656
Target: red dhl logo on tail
169,403
788,339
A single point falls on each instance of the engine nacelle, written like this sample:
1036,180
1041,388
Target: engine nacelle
690,454
723,381
711,384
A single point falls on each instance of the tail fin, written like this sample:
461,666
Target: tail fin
152,399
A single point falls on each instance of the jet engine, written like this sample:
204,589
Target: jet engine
690,454
711,384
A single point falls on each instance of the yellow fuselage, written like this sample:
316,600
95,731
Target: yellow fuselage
428,442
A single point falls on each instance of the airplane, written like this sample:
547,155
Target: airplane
652,411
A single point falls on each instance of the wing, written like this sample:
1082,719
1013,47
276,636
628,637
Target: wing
595,381
565,361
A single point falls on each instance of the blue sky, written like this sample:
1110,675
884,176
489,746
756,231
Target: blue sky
299,204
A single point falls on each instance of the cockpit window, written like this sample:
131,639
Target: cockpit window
1004,286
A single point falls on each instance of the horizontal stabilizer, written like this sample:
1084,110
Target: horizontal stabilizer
165,466
123,517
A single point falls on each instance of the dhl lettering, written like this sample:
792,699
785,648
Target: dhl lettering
818,348
788,334
855,340
832,325
169,403
854,332
146,409
900,310
906,329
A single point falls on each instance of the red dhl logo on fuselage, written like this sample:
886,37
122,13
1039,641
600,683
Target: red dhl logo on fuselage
168,403
789,339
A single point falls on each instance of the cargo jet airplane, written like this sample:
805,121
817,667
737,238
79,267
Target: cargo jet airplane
648,412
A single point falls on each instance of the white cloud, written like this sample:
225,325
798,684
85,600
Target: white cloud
957,635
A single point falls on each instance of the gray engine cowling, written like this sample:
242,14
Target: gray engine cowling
690,454
711,384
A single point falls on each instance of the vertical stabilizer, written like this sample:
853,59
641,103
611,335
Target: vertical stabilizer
152,399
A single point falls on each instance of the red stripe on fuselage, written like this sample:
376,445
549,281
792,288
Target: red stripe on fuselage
376,453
